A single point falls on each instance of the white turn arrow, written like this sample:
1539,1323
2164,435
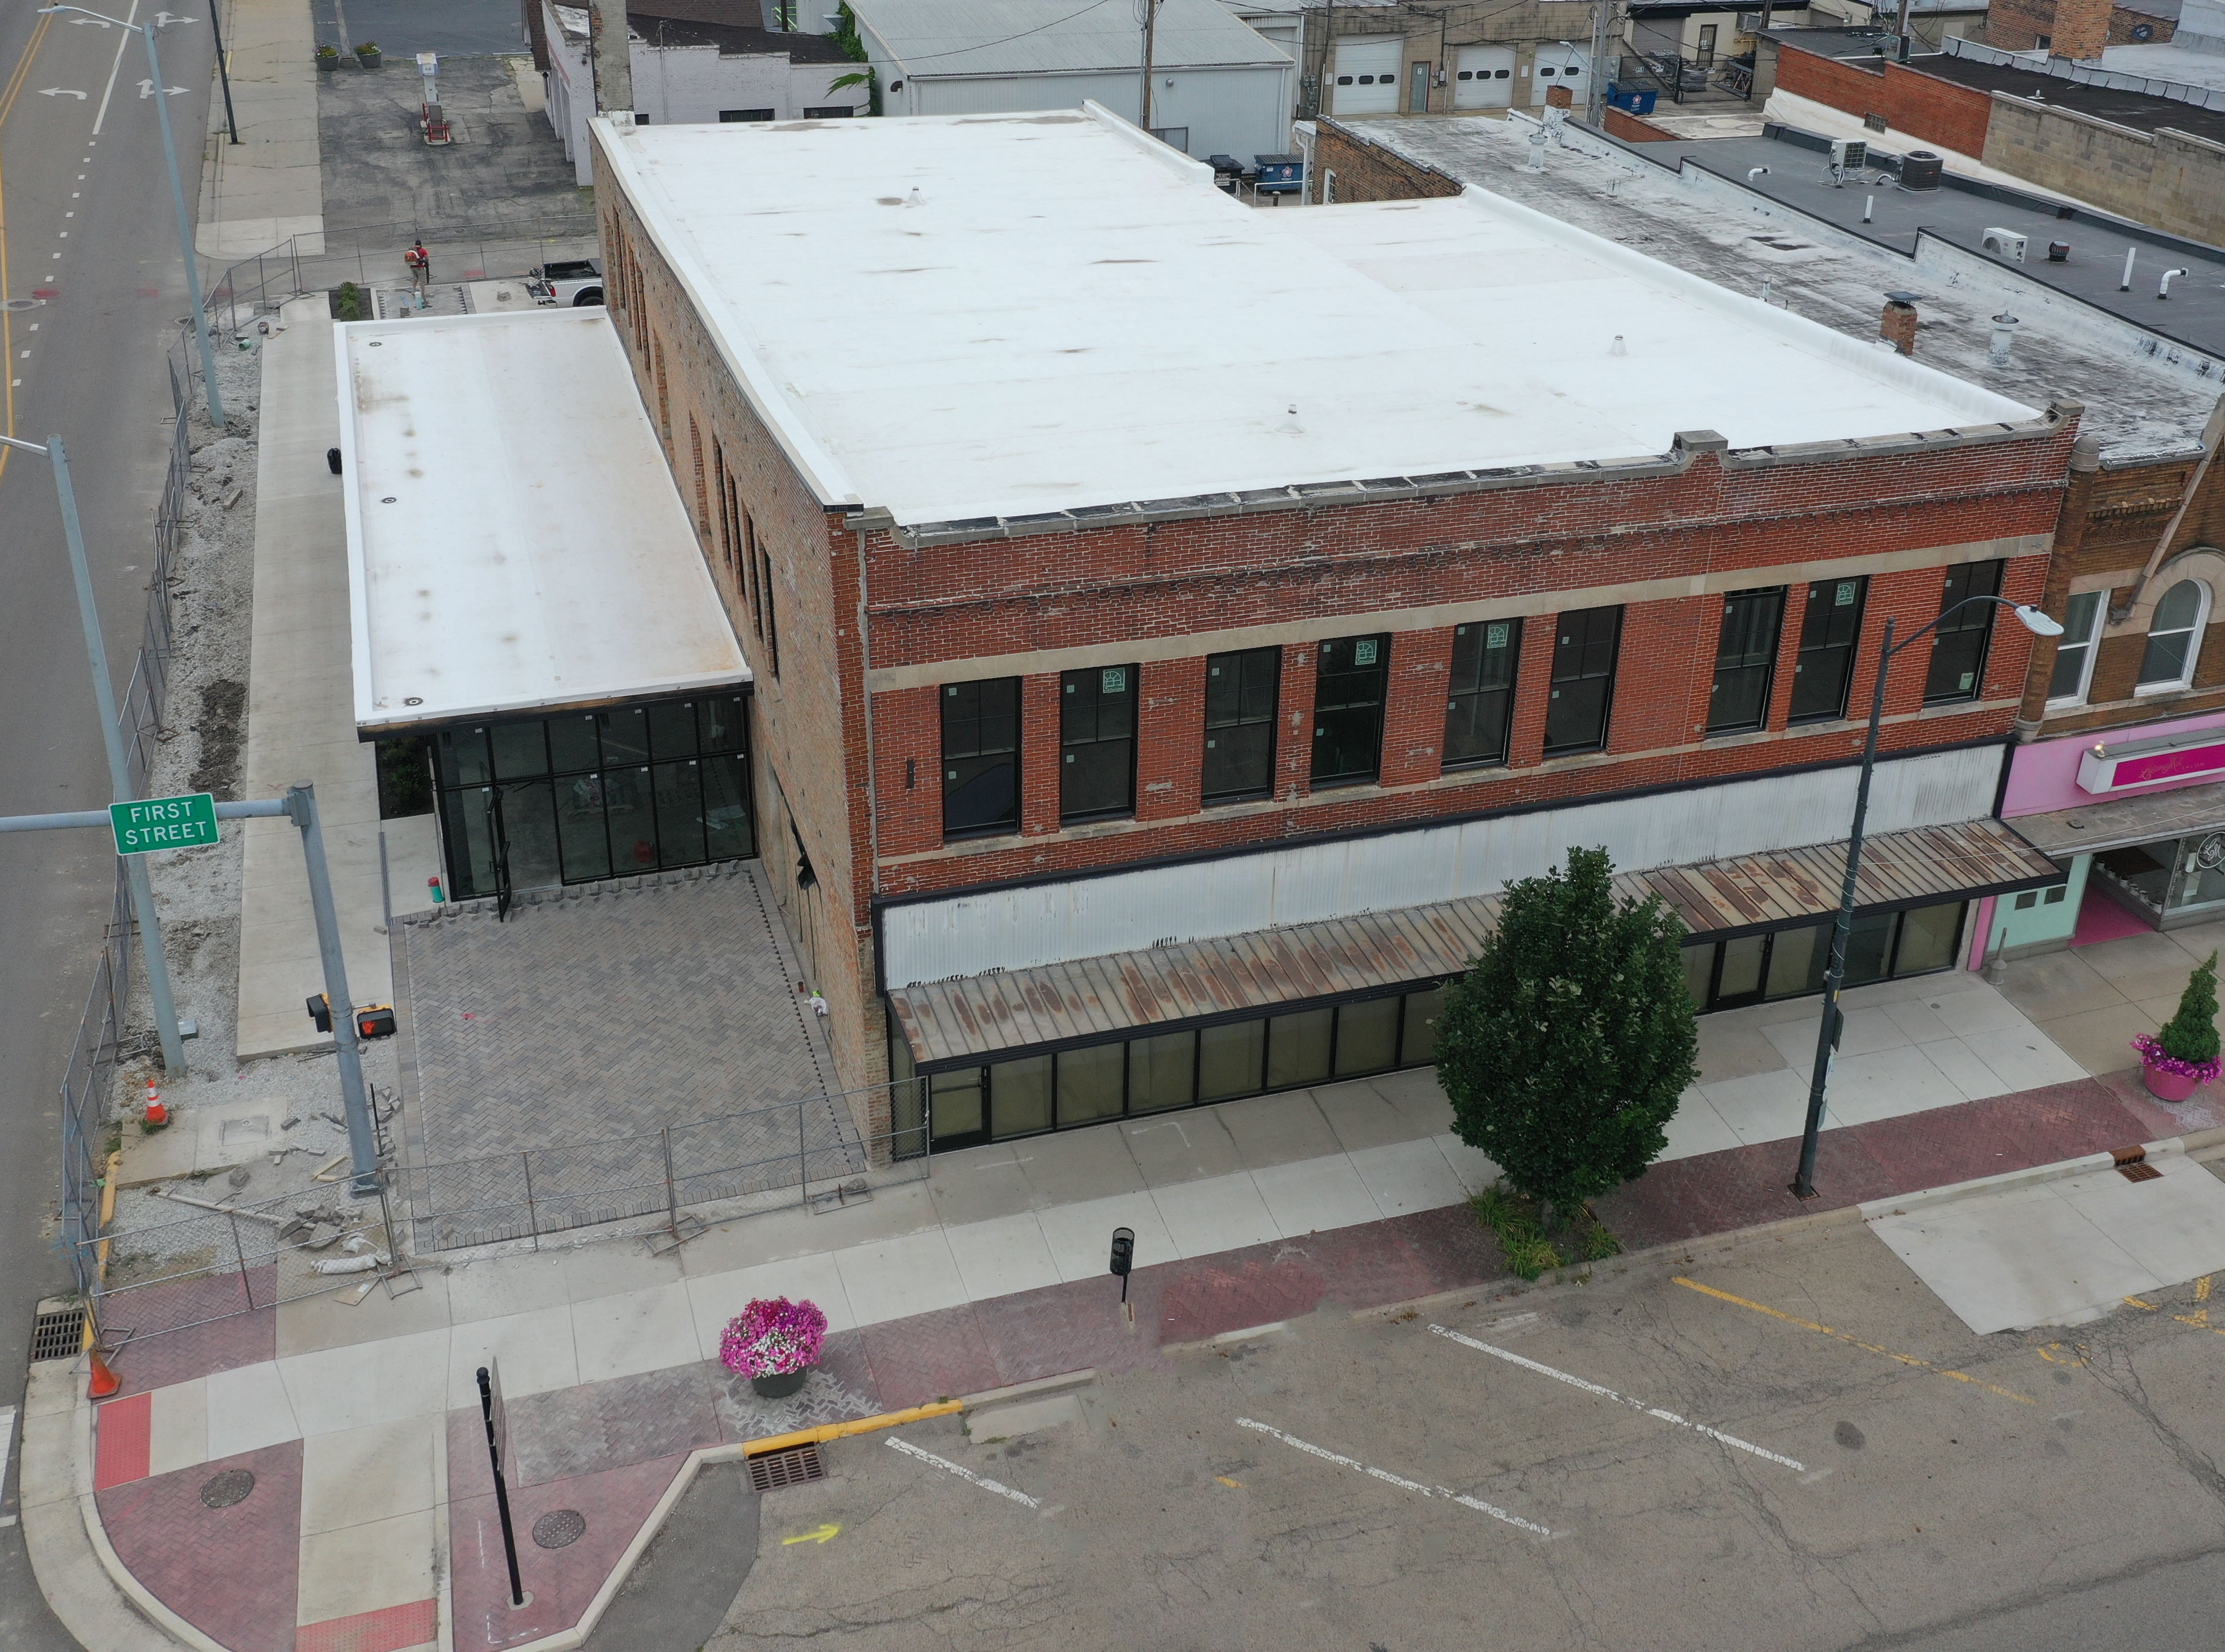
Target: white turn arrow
147,89
163,20
60,91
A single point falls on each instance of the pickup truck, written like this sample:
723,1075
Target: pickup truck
571,280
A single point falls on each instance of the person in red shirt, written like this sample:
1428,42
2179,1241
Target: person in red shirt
420,263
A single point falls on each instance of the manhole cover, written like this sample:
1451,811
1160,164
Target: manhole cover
225,1488
560,1527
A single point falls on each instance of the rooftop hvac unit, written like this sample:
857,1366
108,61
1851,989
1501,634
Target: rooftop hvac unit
1850,154
2005,244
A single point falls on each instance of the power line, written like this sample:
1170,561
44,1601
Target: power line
983,46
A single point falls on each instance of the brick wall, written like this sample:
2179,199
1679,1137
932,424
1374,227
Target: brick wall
2171,179
1632,129
1368,172
1922,104
2021,25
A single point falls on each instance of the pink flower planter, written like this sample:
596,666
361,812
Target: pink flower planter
2165,1084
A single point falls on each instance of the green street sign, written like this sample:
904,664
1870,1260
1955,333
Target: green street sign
152,823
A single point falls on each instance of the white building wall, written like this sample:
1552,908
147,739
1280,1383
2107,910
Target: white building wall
1239,111
1051,923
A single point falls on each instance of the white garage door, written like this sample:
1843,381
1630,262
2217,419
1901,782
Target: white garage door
1484,78
1559,66
1367,76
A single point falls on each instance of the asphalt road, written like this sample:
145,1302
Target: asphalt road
81,177
1864,1474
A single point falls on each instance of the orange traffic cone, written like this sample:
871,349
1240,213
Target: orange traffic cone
157,1114
104,1382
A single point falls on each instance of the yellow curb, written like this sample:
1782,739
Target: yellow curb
856,1426
100,1251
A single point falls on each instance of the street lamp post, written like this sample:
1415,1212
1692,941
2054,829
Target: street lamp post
1835,975
119,772
177,201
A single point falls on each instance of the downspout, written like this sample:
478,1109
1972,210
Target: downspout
864,523
2212,433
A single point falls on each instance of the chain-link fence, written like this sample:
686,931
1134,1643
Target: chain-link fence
89,1076
218,1259
804,1152
372,254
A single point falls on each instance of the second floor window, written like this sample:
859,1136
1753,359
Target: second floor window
1240,691
1480,705
1348,709
981,757
1830,632
2073,651
1958,646
1097,742
1746,660
2174,638
1582,681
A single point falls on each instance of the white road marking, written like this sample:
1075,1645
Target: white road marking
963,1473
1620,1399
113,67
60,91
7,1449
1389,1478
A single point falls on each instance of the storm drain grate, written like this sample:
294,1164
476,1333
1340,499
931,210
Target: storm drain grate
58,1335
2139,1171
770,1471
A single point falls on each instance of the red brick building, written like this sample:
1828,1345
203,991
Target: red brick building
1173,623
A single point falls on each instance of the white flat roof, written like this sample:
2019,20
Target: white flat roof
961,317
516,541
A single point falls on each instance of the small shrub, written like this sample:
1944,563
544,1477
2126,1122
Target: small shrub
2188,1043
1530,1256
347,302
1600,1244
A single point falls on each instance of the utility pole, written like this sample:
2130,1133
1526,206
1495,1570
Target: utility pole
611,46
1593,86
1151,25
223,72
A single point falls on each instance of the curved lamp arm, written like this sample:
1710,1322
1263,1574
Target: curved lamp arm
2028,614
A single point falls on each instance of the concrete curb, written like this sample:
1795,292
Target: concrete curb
2169,1147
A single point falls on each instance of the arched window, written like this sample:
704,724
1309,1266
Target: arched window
2175,636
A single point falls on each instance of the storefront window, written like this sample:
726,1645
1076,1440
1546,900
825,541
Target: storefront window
576,798
2169,877
1789,963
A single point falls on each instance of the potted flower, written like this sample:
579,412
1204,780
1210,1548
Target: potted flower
328,57
368,54
2183,1057
774,1342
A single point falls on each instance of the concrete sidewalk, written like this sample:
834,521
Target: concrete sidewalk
368,1519
268,186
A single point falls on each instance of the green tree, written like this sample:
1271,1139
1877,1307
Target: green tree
2191,1034
1566,1045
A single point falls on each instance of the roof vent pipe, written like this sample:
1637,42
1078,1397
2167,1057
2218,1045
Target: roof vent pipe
2005,329
1618,348
2163,290
2126,285
1537,141
1753,173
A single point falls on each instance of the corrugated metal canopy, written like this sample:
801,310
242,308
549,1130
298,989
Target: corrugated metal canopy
2112,823
930,38
979,1016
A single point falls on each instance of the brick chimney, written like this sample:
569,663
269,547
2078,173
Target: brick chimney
1899,322
2082,28
1559,97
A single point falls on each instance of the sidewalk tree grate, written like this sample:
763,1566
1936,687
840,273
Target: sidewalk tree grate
58,1335
222,1490
559,1527
770,1470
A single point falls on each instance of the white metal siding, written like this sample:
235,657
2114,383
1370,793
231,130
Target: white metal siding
1367,76
1561,60
1051,923
1484,78
1239,111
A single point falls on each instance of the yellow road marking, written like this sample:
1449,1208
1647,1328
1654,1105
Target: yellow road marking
2136,1302
1872,1347
1224,1480
819,1536
2199,1319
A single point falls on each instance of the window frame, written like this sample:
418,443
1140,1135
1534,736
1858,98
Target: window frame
1000,827
1373,775
1554,678
1070,683
2193,633
1964,625
2088,647
1457,692
1766,604
1236,659
1850,651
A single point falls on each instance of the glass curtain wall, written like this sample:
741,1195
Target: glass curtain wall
1788,963
594,795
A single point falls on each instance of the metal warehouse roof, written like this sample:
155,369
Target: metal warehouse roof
515,543
934,38
978,1017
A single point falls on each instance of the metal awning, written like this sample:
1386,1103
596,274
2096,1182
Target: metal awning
2113,822
978,1016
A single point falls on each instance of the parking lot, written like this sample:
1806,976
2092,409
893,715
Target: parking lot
1789,1446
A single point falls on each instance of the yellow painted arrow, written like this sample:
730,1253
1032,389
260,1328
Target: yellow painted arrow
819,1536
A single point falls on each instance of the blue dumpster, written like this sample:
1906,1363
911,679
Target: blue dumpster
1634,100
1280,175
